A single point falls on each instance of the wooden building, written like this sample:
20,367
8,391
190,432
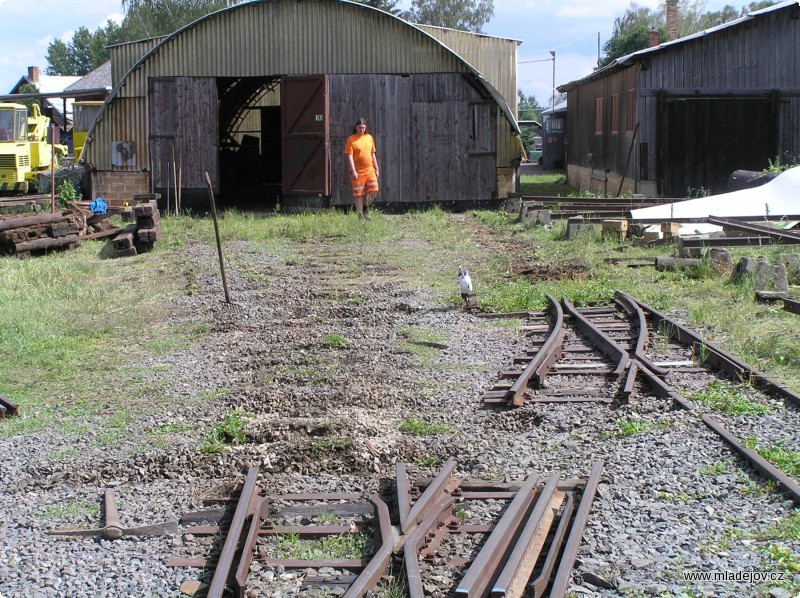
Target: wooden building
262,96
679,118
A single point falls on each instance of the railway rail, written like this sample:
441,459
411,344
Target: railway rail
531,545
602,353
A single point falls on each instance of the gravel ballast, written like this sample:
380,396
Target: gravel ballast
672,500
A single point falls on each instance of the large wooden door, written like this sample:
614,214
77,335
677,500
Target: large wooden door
184,129
304,125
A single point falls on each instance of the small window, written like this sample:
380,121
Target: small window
598,116
630,110
615,114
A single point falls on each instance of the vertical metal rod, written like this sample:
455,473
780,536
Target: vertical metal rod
53,129
219,241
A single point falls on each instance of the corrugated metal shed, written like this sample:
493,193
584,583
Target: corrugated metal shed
274,38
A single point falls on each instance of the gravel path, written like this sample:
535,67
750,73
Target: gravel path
673,500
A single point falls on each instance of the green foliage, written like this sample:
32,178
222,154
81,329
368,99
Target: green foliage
389,6
729,400
417,427
427,461
231,430
342,546
335,340
784,459
466,15
70,511
632,29
633,425
151,18
779,166
714,469
66,192
329,445
85,52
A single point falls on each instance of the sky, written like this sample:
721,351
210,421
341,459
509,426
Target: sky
570,28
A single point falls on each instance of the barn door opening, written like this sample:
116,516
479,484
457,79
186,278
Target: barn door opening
705,140
305,153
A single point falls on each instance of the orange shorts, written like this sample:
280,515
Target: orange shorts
366,183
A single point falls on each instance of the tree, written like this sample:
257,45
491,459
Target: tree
152,18
528,108
632,29
466,15
85,51
389,6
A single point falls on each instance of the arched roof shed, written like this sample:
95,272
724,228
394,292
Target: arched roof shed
371,64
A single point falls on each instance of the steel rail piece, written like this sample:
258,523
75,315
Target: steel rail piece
371,574
559,587
779,236
520,564
484,570
756,460
545,357
244,508
444,483
541,582
601,340
439,514
637,313
536,369
716,356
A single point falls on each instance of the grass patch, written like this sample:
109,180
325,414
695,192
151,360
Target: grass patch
728,399
231,430
342,546
633,425
427,462
335,340
417,427
331,445
70,511
552,184
715,469
788,461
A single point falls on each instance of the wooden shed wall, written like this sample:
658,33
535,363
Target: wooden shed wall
754,60
423,132
607,152
753,57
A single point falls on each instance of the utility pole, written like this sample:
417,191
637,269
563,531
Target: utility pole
553,107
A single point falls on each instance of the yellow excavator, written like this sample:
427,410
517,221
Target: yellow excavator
24,151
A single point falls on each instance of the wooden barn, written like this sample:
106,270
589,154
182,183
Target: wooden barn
678,118
262,96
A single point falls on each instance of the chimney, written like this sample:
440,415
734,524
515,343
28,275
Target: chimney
33,73
672,20
654,37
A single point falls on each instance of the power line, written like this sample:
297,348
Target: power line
583,39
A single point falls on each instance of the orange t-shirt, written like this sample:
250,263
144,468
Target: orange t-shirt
362,147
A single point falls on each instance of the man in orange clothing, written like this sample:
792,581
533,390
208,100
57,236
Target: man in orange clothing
364,172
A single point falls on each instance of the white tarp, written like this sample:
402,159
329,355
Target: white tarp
780,196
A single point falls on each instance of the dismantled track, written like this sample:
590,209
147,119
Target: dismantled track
530,546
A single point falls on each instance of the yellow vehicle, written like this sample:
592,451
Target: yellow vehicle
83,115
24,151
